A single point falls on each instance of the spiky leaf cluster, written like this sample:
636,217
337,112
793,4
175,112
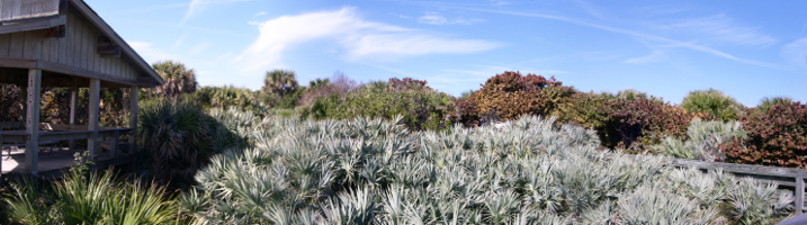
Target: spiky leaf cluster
704,140
526,171
713,103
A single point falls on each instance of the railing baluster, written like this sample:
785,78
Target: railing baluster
799,195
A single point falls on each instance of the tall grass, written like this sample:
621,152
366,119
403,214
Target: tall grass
90,198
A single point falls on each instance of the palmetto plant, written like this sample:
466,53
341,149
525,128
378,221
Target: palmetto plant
90,199
279,82
704,140
714,103
525,171
178,80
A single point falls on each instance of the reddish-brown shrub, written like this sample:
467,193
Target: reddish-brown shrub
776,136
635,123
338,85
467,113
510,95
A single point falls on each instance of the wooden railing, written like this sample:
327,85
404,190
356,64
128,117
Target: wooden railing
786,178
108,139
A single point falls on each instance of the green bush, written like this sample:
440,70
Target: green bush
713,103
703,140
229,96
179,138
525,171
777,136
81,198
179,80
420,106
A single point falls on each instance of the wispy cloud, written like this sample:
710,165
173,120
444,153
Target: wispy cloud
655,56
198,6
179,42
636,34
718,29
796,53
149,52
435,18
358,39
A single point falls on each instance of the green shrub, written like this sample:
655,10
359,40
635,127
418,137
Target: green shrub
703,140
768,103
714,103
179,80
584,109
777,136
81,198
229,96
179,138
421,107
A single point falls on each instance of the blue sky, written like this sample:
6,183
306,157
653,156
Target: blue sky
748,49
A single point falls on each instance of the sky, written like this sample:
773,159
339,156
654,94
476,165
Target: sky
747,49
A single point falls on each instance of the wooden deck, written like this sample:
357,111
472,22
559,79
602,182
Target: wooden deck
59,159
55,154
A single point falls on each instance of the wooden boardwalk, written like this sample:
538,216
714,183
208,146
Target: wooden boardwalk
789,179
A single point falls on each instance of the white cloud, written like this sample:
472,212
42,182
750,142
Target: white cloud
434,18
357,38
179,42
199,48
150,53
796,53
498,2
199,6
655,56
719,29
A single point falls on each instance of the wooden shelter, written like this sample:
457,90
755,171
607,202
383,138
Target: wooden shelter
65,44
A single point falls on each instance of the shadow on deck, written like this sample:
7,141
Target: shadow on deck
51,164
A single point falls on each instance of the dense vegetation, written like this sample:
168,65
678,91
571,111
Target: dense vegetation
420,106
526,171
776,136
399,152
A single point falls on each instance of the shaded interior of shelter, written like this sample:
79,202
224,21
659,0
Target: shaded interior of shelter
58,142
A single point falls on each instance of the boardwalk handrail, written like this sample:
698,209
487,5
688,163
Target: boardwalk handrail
771,174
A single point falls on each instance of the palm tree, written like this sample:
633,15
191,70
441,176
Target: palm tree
178,79
279,82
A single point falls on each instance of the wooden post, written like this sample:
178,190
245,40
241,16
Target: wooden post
32,121
133,93
95,100
799,195
73,102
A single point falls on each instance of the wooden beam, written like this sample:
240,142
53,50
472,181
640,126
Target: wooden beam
32,24
74,71
133,95
108,48
92,123
799,195
17,63
73,101
32,121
